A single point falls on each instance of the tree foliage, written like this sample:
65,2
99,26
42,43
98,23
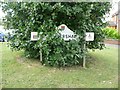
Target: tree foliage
44,17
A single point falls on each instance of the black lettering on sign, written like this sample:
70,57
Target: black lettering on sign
69,36
72,36
63,36
35,36
75,36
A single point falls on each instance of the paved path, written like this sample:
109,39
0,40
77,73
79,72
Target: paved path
113,45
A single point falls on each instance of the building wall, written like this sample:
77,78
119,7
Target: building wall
119,17
114,27
114,18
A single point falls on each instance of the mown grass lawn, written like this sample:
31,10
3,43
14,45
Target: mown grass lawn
20,72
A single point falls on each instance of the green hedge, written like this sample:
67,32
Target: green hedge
111,33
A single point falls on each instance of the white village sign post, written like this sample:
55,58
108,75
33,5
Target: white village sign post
34,37
67,35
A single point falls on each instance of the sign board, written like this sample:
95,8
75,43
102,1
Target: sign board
66,33
34,36
89,36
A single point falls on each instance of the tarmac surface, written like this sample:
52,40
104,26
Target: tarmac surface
113,45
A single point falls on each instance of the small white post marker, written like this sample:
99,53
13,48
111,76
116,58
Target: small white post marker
89,36
34,36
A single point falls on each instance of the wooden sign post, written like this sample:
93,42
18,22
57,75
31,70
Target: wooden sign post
89,36
40,55
34,37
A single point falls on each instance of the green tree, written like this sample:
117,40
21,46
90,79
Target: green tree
44,17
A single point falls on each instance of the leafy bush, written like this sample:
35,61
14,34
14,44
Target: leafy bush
111,33
44,18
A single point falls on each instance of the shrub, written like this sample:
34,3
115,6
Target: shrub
111,33
44,18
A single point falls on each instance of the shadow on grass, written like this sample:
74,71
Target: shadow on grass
90,61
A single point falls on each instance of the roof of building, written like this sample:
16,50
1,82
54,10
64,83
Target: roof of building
116,13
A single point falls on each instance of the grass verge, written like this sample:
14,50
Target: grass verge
20,72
